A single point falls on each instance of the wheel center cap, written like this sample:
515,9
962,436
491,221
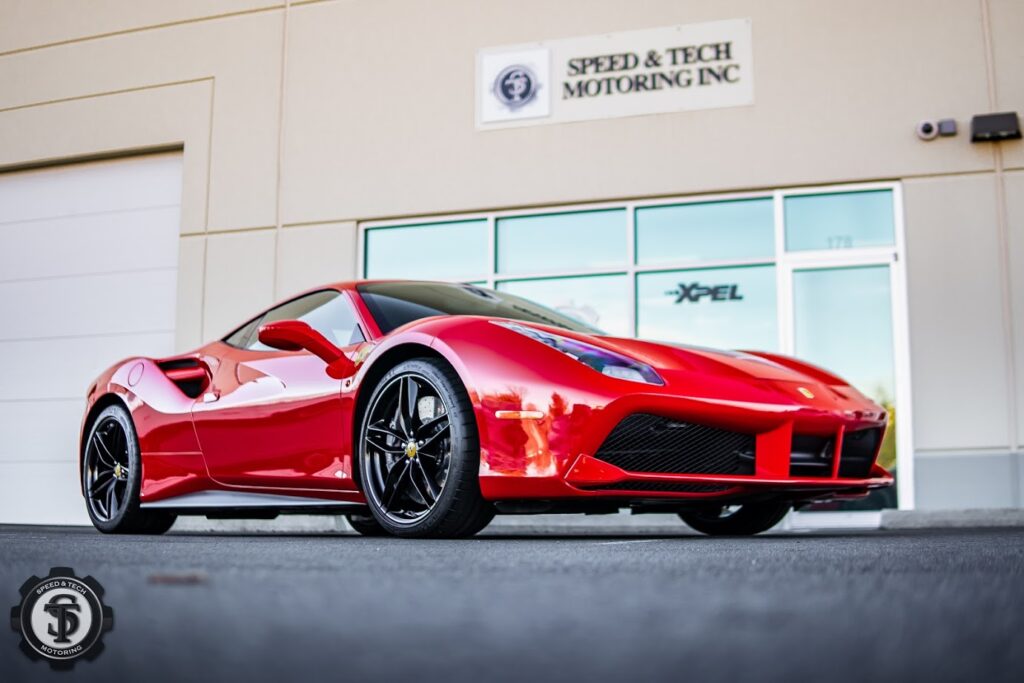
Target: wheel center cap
117,470
410,449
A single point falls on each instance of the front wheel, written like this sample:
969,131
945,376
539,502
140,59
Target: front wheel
736,520
419,454
112,478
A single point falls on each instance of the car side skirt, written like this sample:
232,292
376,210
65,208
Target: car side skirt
246,504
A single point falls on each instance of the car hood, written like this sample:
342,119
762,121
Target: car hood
701,372
712,371
669,356
673,358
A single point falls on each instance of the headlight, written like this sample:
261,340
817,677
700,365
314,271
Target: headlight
604,361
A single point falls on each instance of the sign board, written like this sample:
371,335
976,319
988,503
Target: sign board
651,71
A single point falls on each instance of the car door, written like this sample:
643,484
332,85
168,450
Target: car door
275,418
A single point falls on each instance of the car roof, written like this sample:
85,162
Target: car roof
352,284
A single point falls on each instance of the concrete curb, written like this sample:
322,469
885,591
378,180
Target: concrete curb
951,519
284,524
508,525
626,524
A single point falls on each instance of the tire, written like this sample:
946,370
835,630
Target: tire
749,519
419,459
112,477
365,525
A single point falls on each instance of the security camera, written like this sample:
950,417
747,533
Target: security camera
928,129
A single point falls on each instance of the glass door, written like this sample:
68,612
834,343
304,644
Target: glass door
841,293
842,320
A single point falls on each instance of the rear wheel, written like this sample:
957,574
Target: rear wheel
112,478
420,454
736,520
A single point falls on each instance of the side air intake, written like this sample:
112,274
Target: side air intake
188,374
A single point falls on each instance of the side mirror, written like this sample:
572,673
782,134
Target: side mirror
295,335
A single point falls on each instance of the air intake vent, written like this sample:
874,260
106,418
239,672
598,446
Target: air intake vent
811,456
188,374
668,486
860,448
650,443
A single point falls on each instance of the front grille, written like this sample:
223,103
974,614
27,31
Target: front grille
811,456
859,451
683,487
650,443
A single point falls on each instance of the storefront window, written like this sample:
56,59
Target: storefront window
435,251
803,273
729,308
596,299
839,220
561,241
706,231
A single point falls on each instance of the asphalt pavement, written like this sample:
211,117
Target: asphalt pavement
837,606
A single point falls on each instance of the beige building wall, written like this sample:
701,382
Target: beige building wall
300,119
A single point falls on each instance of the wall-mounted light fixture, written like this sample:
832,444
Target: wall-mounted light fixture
995,127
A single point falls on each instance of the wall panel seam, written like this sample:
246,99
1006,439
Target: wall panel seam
87,335
88,214
1003,234
141,29
279,179
206,210
120,91
92,273
43,399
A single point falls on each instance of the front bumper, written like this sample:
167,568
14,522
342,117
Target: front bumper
558,456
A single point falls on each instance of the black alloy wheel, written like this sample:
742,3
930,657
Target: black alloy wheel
112,477
107,469
420,455
410,432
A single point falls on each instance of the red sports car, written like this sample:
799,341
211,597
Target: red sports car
423,408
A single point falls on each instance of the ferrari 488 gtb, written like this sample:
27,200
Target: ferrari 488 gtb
422,409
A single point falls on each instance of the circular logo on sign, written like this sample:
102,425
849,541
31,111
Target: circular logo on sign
515,86
61,617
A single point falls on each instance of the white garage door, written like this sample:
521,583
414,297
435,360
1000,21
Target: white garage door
88,275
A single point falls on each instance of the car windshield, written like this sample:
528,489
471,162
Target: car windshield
394,304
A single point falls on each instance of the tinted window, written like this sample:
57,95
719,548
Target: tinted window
394,304
593,299
586,239
839,220
456,250
725,308
239,337
328,312
706,231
